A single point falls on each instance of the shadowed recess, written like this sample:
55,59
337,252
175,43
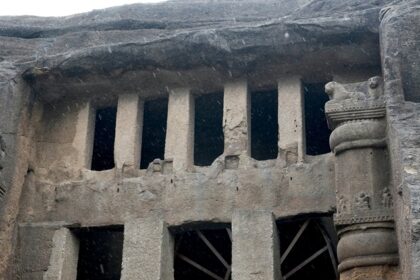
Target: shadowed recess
307,249
316,128
154,131
208,131
203,254
100,253
264,127
103,143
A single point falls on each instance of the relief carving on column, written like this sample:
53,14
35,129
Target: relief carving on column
342,205
362,201
387,198
356,116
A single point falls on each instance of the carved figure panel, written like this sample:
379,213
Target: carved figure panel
387,198
362,201
342,205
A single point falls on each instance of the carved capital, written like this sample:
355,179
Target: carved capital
356,101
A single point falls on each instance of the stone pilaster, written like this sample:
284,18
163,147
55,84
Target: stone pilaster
128,131
83,139
148,252
255,247
179,145
364,217
291,124
64,256
237,118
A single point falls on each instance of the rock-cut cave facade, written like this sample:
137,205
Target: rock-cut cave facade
243,140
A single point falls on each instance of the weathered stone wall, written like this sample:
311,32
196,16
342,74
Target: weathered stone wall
15,134
64,136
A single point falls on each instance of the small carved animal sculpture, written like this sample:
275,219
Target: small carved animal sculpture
375,87
337,92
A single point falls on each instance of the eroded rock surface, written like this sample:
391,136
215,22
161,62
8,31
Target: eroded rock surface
181,43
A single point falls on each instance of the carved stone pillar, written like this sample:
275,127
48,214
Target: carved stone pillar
367,247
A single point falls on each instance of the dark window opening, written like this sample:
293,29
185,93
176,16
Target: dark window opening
103,143
208,131
264,125
311,242
100,253
203,254
154,131
316,128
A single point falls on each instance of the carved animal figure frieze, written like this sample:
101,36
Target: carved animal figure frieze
336,91
370,90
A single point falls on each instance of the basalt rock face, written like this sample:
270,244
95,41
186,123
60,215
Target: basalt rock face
400,40
177,39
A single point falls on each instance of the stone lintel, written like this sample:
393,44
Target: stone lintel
179,144
290,115
64,256
148,252
255,246
237,118
128,131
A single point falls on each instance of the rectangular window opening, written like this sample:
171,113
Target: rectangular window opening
314,235
264,125
203,254
154,131
208,130
316,128
103,143
100,253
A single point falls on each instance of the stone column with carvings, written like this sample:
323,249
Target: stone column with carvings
367,247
